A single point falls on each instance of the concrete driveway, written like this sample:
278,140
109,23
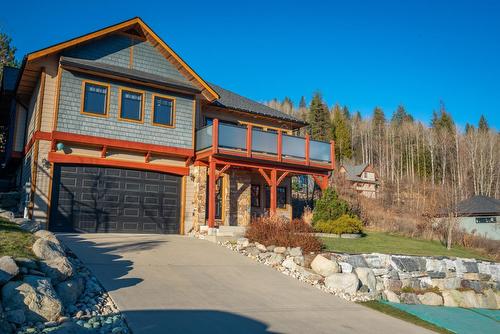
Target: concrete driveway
176,284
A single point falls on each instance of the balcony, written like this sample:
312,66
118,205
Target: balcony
246,141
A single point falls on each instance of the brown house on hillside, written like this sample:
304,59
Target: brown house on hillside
362,178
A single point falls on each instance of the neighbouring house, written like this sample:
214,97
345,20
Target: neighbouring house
362,178
480,215
113,132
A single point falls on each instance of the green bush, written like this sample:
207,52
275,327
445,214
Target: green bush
329,206
344,224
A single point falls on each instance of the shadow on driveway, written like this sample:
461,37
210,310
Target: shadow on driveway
103,259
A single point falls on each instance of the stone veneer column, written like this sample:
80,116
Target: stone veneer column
42,184
198,176
240,198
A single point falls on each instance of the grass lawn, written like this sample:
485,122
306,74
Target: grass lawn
396,313
379,242
14,241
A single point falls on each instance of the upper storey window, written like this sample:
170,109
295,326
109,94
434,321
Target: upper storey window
131,105
163,110
95,99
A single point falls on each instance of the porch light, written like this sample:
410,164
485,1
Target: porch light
60,146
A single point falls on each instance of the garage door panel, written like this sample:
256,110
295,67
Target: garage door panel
103,199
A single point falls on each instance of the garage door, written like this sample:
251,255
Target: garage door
103,199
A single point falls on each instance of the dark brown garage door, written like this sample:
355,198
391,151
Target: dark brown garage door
102,199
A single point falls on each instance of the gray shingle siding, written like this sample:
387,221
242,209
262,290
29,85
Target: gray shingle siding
115,50
71,120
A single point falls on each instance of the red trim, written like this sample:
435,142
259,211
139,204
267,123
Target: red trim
37,135
73,159
211,192
280,145
219,172
332,153
215,136
121,144
274,188
264,175
308,145
321,180
282,177
249,140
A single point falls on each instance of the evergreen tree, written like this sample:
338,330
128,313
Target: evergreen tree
469,128
442,121
378,121
303,112
319,120
400,116
346,113
483,124
341,133
7,53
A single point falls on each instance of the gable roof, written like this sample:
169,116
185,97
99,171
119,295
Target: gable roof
479,205
231,100
31,61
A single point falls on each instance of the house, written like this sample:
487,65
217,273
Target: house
113,132
362,178
480,215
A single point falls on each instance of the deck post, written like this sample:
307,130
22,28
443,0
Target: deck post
308,142
249,140
215,136
274,190
332,153
211,192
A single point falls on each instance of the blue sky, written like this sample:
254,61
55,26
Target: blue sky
358,53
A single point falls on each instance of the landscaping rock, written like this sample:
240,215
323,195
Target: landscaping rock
279,250
470,299
270,248
377,261
409,298
431,298
447,283
309,274
487,300
26,263
35,296
47,250
290,264
58,269
345,267
5,326
474,285
367,277
263,256
8,269
252,251
15,316
471,267
242,242
69,291
295,251
299,260
436,274
345,282
356,261
27,224
452,298
260,247
44,234
72,328
409,264
391,296
275,259
9,215
324,267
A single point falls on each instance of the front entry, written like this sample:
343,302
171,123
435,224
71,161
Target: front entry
103,199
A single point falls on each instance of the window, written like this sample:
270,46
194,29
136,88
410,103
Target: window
280,200
486,220
131,105
95,99
255,195
163,110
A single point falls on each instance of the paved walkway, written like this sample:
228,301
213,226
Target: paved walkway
175,284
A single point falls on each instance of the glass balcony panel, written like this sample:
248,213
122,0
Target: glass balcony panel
204,138
233,137
319,151
264,142
294,147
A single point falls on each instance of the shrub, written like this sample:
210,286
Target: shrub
342,225
280,231
329,206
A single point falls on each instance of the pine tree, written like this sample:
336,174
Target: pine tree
346,113
469,128
7,53
319,120
341,133
303,112
483,124
400,116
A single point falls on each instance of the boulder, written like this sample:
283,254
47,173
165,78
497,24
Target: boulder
408,263
356,261
309,274
15,316
8,269
431,298
391,296
35,296
409,298
44,234
471,276
474,285
47,250
26,263
27,224
345,282
260,247
279,250
299,260
9,215
367,277
289,264
324,267
58,269
252,251
345,267
5,326
270,248
452,298
295,251
470,299
243,242
378,261
487,299
275,259
70,327
69,291
393,284
451,283
263,256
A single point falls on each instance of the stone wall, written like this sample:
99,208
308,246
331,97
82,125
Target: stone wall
196,206
239,207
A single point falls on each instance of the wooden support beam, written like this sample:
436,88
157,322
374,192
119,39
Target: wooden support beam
282,177
280,145
249,140
104,150
211,193
274,190
321,181
264,175
332,153
218,173
215,136
147,158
